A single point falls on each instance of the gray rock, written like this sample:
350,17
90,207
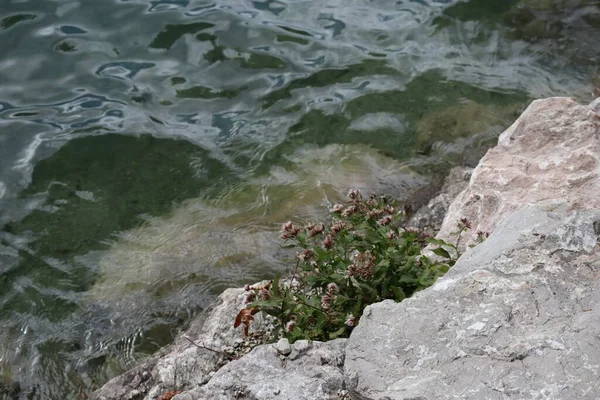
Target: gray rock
429,218
313,371
595,105
184,365
548,156
517,317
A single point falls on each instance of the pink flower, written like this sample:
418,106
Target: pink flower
338,208
332,289
305,255
315,230
326,302
464,224
288,230
385,220
338,226
250,297
348,212
328,242
374,214
354,194
350,320
290,325
264,294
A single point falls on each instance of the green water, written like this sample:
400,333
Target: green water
150,150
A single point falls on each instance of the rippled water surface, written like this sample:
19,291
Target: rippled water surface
149,150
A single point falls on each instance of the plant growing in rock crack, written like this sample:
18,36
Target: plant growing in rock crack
360,257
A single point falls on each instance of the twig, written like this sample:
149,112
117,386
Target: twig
209,349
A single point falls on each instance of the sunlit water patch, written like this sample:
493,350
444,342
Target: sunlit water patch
150,150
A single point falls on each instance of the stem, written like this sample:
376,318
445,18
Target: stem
460,232
208,348
295,269
313,307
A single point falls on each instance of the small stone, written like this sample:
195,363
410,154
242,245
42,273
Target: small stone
283,346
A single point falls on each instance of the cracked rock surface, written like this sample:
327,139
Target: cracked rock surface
518,317
312,371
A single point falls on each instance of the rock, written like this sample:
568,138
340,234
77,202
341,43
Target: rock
517,317
549,156
595,105
313,371
283,347
184,365
428,219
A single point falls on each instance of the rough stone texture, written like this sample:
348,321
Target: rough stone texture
183,365
313,371
429,218
518,317
550,155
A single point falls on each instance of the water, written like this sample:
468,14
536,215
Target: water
149,150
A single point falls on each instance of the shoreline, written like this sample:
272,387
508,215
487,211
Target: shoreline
528,188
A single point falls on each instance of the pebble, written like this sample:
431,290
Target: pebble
283,346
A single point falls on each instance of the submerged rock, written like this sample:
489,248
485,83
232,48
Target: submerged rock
211,243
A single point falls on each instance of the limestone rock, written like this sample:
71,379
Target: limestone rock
184,365
429,218
313,371
517,317
550,155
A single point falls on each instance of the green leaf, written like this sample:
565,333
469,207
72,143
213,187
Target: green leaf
338,333
441,252
399,294
440,242
275,287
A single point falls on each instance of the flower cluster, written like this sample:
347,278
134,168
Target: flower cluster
289,230
362,266
359,257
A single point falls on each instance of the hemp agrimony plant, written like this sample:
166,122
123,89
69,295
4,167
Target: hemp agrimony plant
360,257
